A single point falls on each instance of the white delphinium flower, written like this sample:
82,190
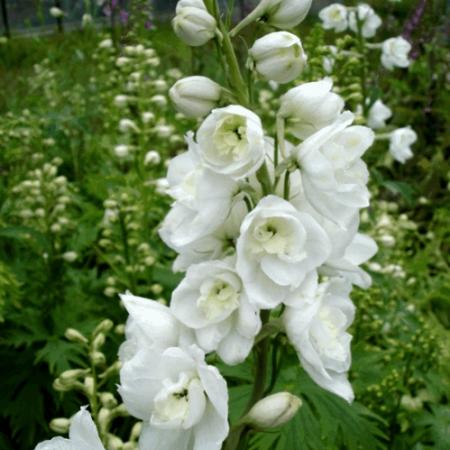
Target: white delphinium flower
182,401
310,107
193,24
122,61
106,43
316,320
83,435
333,174
149,325
203,200
56,13
334,17
277,248
278,56
395,53
378,114
400,144
212,301
122,150
152,158
231,142
286,13
195,96
370,21
359,251
86,20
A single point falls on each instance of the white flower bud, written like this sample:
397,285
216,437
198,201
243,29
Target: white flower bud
122,150
127,125
69,376
121,101
56,13
106,43
152,158
108,400
86,20
194,26
122,61
60,425
278,56
75,336
195,96
104,326
286,13
99,341
401,141
273,411
70,256
98,358
147,117
378,114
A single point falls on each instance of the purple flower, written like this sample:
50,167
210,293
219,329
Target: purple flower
123,17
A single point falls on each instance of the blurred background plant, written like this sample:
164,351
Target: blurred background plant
85,133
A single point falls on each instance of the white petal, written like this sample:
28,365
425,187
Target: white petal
83,432
57,443
234,348
153,438
211,431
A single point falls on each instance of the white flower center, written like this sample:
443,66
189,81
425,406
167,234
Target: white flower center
218,298
230,138
171,404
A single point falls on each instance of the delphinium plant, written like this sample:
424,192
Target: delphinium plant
264,220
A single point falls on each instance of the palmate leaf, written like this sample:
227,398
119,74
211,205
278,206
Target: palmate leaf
60,355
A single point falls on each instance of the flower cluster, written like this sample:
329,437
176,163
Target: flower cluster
364,22
265,224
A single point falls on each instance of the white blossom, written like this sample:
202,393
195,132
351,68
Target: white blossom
212,301
278,56
182,401
277,248
152,158
285,13
378,114
395,53
316,320
370,21
83,435
231,142
334,17
401,141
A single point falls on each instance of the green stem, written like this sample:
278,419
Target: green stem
363,67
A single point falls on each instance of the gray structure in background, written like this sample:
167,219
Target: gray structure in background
33,16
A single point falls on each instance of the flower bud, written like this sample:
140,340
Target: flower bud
194,26
98,358
286,13
75,336
273,411
395,53
56,13
108,400
69,376
105,325
89,385
122,150
99,341
278,56
70,256
60,425
195,96
152,158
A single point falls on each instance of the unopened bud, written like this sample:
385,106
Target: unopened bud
69,376
114,443
60,425
273,411
136,431
98,358
61,387
99,341
75,336
104,326
89,385
108,400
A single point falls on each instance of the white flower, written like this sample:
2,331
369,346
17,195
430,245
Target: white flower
152,158
334,17
193,3
310,107
370,21
333,174
231,142
378,114
149,325
278,56
122,61
401,141
212,301
273,411
359,251
329,61
122,150
277,248
195,96
182,401
316,320
83,435
106,43
194,25
286,13
395,53
204,200
147,117
86,20
57,13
